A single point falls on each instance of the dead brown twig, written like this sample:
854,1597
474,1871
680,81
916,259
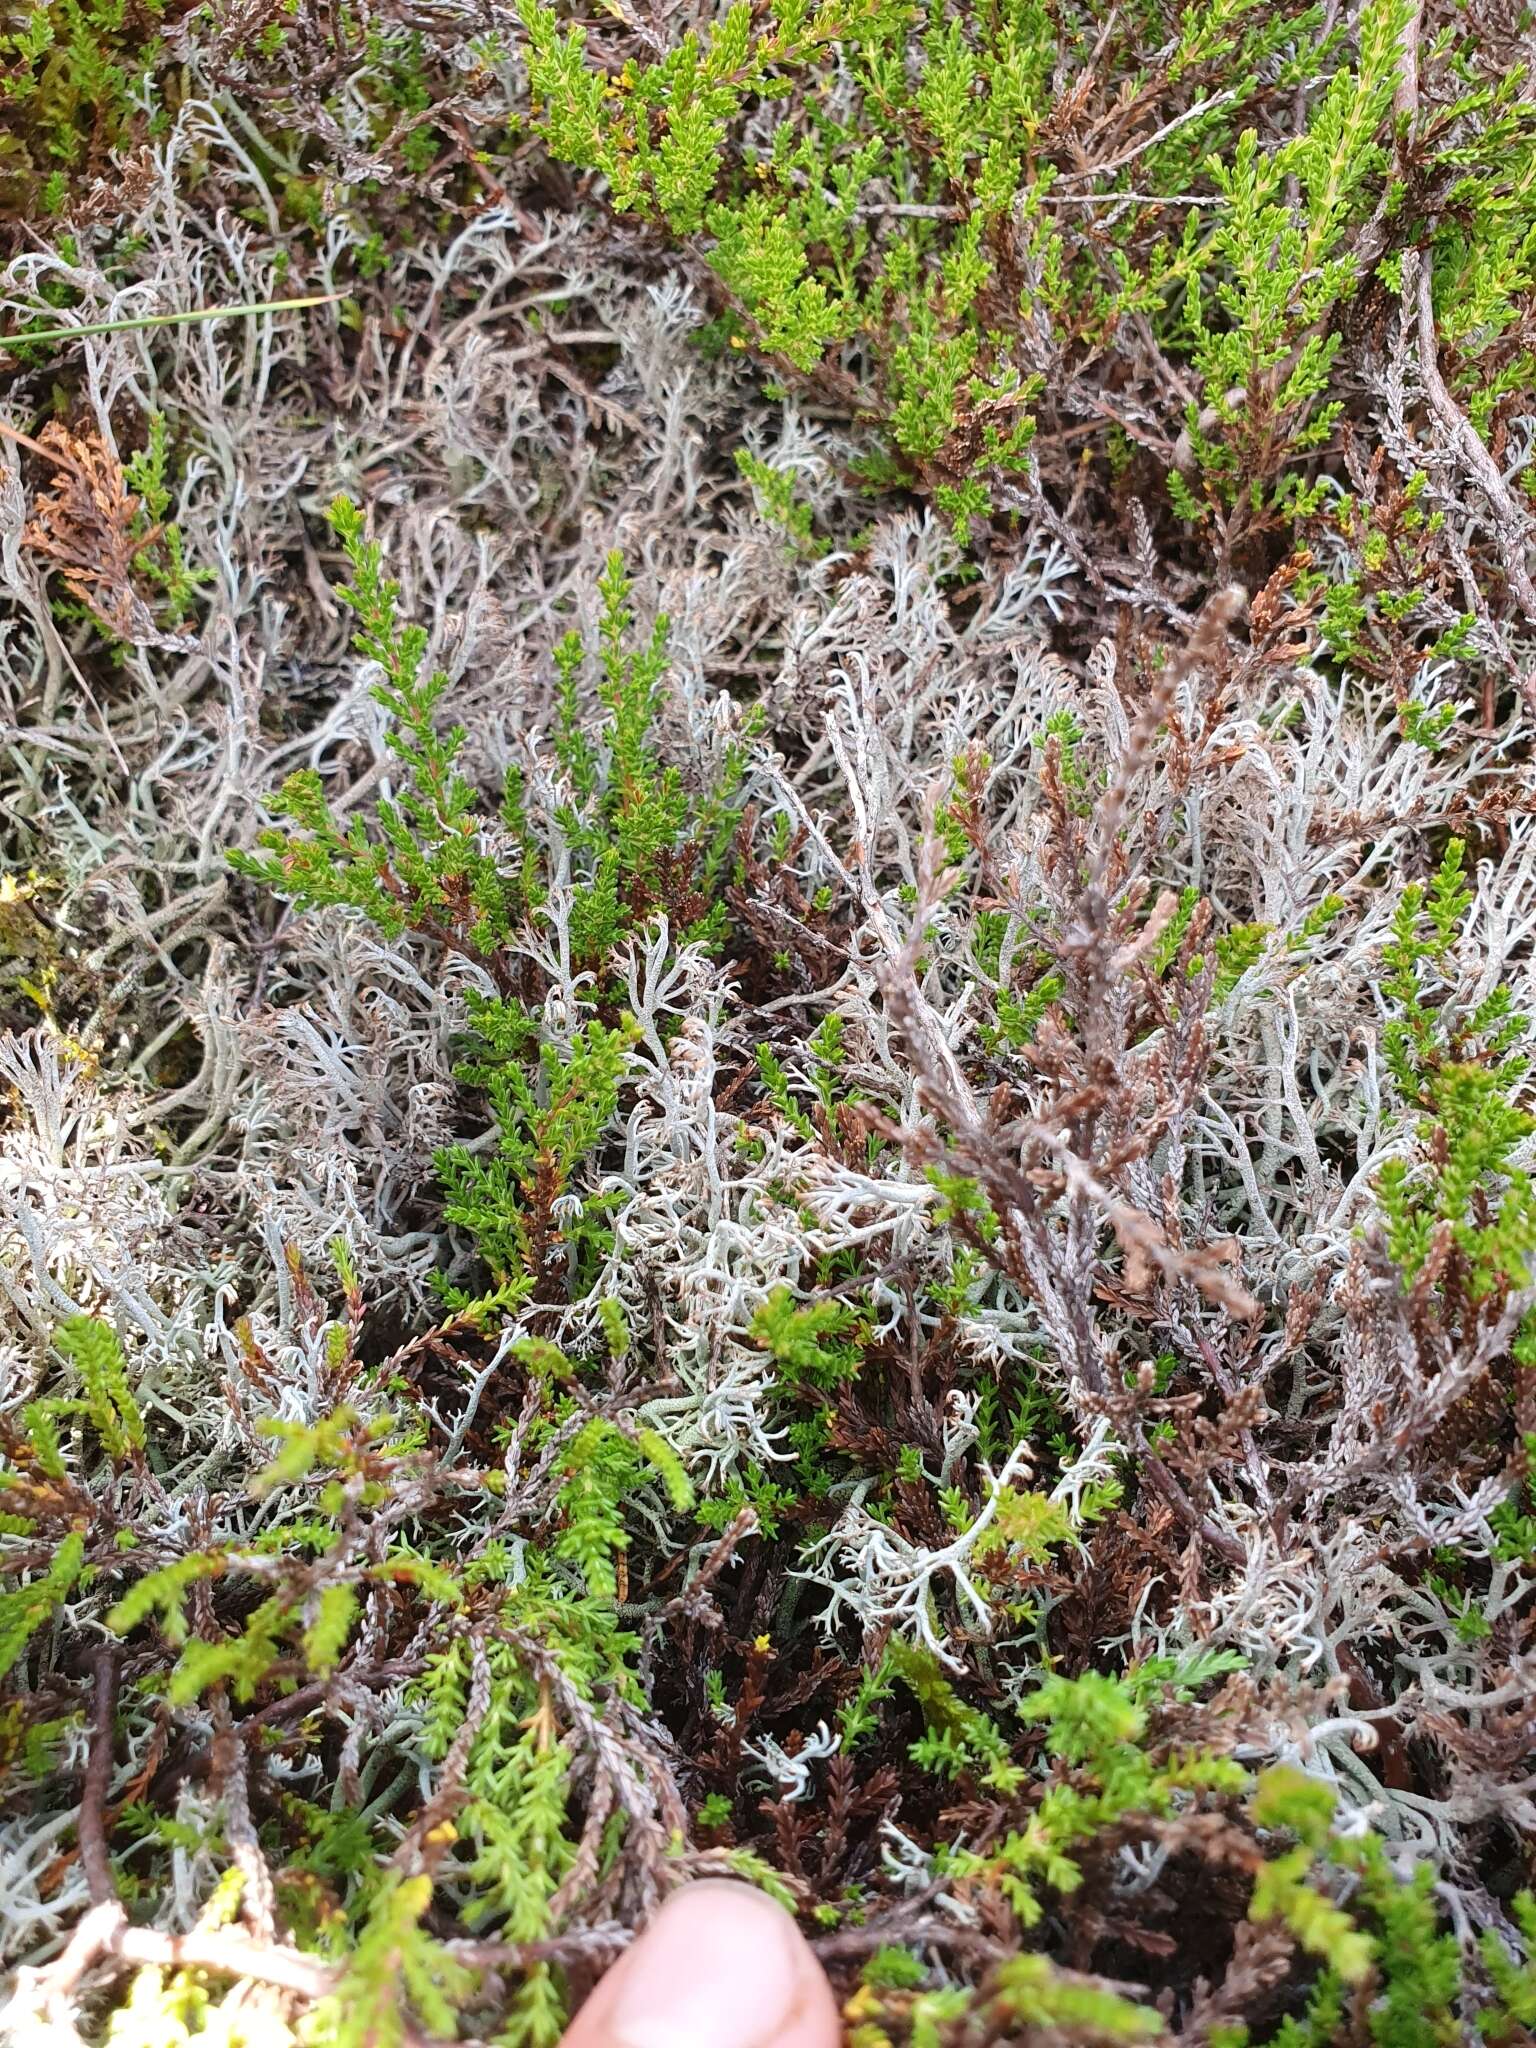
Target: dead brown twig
92,1831
85,526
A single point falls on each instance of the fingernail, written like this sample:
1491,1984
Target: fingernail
718,1967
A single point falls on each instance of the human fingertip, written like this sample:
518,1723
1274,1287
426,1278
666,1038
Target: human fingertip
720,1966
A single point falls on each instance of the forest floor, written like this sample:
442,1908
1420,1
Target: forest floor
765,944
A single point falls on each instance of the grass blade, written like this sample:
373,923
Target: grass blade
166,320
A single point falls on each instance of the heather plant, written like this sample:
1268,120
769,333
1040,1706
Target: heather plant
1465,1214
75,88
917,248
623,845
837,1190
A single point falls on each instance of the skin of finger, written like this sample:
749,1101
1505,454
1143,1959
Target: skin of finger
706,1920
